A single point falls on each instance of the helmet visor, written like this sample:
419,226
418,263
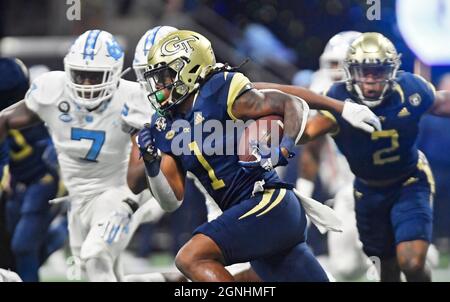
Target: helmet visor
164,85
83,77
372,79
89,84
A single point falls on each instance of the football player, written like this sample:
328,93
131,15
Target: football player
186,84
394,185
135,113
31,184
82,109
321,159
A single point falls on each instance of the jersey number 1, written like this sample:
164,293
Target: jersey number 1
215,183
97,137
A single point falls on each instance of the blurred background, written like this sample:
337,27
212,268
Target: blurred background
283,39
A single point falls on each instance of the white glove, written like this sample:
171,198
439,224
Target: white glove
360,116
9,276
117,224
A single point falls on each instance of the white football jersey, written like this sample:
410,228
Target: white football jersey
93,151
137,112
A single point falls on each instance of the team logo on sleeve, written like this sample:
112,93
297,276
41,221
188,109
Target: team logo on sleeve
161,124
415,99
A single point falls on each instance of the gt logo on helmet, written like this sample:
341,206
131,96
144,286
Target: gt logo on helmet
175,45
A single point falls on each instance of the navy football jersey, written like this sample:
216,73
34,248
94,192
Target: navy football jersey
25,153
391,152
213,161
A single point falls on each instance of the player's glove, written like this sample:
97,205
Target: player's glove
146,144
118,222
360,116
269,158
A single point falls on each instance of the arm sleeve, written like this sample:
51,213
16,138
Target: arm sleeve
160,187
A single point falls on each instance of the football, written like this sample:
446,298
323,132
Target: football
264,130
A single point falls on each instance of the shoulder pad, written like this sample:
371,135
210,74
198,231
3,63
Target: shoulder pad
48,88
136,110
216,82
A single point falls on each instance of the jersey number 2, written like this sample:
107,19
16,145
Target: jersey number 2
377,156
97,137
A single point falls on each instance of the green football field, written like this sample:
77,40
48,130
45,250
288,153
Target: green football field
59,271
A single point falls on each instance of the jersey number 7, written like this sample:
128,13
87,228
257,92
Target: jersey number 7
97,137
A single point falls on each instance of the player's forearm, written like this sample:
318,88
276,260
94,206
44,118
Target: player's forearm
163,189
317,127
314,100
16,116
311,133
136,178
258,103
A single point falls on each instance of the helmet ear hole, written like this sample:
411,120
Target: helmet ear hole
194,69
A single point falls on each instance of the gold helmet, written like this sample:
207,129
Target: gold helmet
371,65
177,65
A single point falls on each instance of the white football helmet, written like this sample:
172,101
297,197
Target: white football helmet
151,37
333,56
93,67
